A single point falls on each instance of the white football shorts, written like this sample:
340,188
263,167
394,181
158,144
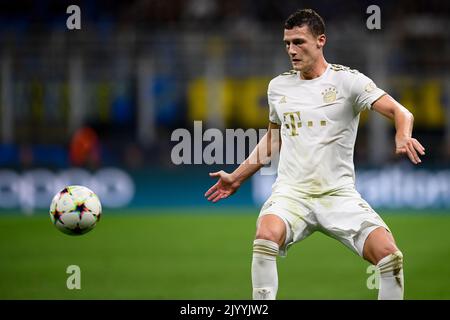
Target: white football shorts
342,215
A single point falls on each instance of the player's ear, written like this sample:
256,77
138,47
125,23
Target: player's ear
321,40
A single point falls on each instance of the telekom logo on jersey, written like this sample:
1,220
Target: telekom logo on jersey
293,124
213,146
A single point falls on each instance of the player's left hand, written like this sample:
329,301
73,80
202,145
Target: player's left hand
409,146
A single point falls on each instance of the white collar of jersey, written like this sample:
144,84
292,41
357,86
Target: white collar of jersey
315,79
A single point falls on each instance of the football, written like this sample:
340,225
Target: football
75,210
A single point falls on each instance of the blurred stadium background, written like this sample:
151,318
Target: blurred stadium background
98,106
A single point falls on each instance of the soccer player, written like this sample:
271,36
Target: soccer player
316,108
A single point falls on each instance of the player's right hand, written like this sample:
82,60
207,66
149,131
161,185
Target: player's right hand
225,187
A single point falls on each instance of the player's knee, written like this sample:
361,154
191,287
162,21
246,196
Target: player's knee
270,235
386,250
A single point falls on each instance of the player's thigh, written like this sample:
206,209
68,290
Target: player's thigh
271,227
379,244
348,218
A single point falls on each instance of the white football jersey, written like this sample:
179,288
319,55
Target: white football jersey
319,121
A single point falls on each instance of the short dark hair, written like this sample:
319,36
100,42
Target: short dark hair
306,17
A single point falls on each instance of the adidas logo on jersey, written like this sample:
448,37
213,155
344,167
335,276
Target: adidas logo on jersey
283,99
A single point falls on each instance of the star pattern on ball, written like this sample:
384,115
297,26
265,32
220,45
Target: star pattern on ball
81,208
57,215
63,192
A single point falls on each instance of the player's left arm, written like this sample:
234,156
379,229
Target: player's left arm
403,119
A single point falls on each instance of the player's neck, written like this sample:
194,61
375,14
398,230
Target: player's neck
316,71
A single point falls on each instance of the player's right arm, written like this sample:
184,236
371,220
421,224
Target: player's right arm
228,183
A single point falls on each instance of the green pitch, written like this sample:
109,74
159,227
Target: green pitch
206,255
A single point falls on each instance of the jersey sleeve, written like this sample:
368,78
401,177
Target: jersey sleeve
273,116
365,92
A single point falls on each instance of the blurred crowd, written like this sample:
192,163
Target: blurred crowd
113,92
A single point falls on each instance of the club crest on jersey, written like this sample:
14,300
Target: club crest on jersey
329,95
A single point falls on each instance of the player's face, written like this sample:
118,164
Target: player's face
303,48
